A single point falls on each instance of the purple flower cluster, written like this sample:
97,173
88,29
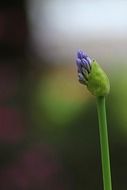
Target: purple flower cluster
84,66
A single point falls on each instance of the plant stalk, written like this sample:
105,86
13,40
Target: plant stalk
105,157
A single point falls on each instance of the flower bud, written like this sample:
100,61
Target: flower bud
91,75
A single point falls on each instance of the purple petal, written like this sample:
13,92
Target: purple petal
78,61
81,79
84,55
81,54
84,61
79,64
86,64
88,59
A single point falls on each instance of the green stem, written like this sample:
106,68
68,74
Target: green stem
104,143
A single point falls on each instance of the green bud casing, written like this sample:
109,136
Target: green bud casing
98,82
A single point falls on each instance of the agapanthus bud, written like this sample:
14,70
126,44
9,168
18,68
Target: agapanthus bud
91,75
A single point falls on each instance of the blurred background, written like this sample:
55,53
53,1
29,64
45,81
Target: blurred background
49,137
